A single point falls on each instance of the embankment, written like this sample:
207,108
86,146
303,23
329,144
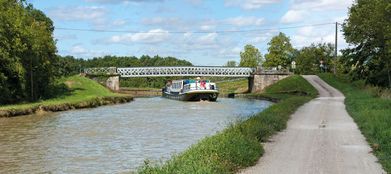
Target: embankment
239,146
370,111
141,92
80,92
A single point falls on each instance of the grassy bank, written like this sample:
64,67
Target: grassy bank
371,113
79,92
239,146
235,86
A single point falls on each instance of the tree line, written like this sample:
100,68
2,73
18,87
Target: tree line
368,33
69,65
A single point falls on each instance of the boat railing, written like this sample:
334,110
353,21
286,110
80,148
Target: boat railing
188,87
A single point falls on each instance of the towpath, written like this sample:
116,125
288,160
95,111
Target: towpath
320,138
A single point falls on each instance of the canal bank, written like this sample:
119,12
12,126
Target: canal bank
79,92
239,145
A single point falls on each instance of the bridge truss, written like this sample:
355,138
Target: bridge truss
193,71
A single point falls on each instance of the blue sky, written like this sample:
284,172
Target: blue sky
148,27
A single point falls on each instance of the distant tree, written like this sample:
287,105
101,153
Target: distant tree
368,30
250,57
230,63
308,60
280,52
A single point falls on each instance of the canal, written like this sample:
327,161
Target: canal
113,139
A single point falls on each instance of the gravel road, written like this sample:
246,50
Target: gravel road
320,138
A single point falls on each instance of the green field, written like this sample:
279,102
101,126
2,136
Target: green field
238,146
76,89
371,113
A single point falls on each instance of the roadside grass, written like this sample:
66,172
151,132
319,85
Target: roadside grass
236,86
371,113
78,89
238,146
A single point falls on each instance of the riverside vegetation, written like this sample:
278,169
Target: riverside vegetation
76,92
370,107
239,146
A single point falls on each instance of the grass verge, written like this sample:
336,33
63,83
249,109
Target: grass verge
80,92
239,146
371,113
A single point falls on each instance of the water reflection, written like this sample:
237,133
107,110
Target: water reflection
113,139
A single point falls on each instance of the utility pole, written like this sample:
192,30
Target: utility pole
336,47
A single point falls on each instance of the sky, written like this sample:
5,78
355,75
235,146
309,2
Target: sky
204,32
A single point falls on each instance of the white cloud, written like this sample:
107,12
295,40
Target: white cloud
249,4
293,16
308,35
245,21
161,21
150,37
79,51
119,22
209,39
207,27
79,13
321,5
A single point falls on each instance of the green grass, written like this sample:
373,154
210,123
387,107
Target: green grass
239,146
79,89
371,113
237,86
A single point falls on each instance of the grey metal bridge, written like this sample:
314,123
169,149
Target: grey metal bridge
192,71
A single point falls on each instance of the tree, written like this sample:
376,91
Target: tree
368,31
27,52
250,57
230,63
280,52
309,58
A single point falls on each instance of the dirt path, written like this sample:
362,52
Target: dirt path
321,138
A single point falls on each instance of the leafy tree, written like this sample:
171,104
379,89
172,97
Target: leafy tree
309,58
27,52
280,51
230,63
368,30
250,57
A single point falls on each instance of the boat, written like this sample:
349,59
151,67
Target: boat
191,90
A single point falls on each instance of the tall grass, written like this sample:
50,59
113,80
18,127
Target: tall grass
371,113
239,146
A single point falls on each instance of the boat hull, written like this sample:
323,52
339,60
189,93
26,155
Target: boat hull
192,96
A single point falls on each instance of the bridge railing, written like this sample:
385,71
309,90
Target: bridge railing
184,71
192,71
101,71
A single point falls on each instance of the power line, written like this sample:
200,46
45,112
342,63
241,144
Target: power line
199,32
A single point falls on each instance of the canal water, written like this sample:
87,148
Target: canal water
113,139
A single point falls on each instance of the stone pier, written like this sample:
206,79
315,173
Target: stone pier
113,83
262,79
